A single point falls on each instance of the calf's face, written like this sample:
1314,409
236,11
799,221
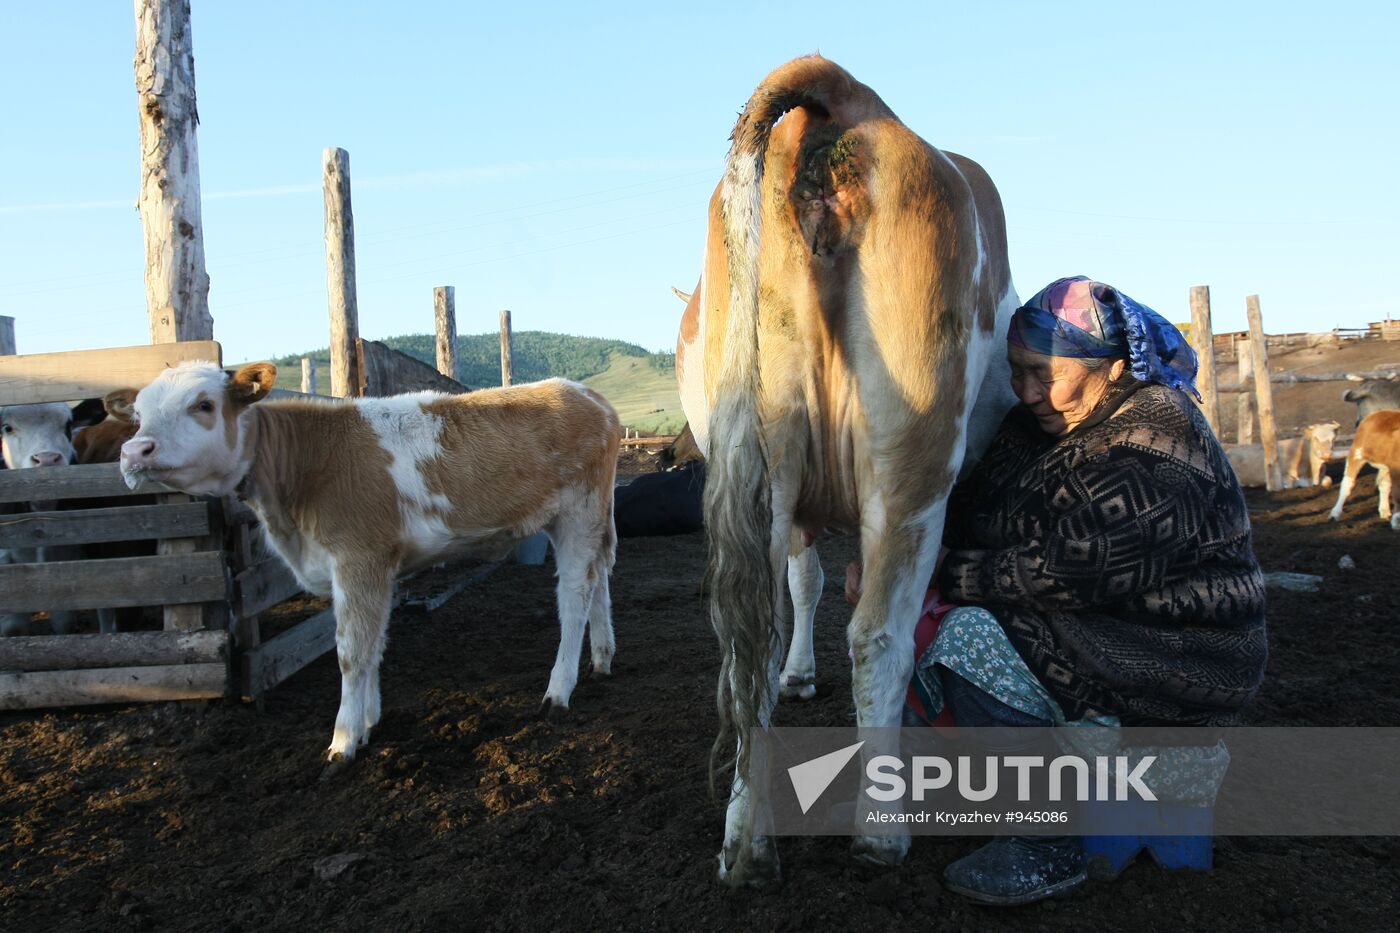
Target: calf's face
36,435
188,431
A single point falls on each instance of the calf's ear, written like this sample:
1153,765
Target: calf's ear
252,383
119,404
88,412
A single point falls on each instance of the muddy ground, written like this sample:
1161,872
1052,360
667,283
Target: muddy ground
468,812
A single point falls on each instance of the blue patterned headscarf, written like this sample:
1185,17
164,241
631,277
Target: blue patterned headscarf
1084,319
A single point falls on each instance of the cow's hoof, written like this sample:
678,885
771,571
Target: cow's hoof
799,690
880,851
760,870
553,711
336,765
602,670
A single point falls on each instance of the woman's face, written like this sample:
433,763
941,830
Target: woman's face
1058,390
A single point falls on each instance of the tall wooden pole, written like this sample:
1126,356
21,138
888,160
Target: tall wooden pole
177,286
340,273
507,355
1273,478
7,336
308,376
445,321
1244,371
1204,340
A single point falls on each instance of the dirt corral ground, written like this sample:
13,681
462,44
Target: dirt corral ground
467,811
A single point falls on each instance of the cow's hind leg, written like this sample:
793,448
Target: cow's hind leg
1354,465
898,562
600,628
805,581
362,596
747,858
574,557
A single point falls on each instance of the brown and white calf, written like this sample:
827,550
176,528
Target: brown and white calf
843,353
1377,443
353,493
31,436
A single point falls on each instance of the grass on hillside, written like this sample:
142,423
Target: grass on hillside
646,397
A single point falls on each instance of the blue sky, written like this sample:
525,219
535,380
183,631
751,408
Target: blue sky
556,160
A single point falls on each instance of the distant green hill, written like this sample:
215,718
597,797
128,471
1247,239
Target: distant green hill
644,392
640,385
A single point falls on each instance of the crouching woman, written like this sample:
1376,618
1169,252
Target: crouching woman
1100,555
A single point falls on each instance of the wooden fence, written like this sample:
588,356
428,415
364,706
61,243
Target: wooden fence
205,572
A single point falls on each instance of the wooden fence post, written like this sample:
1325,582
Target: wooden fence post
340,273
445,320
1244,371
1204,340
507,354
7,336
1264,389
177,285
308,376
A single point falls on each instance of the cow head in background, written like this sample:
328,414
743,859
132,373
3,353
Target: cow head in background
188,431
42,434
1373,395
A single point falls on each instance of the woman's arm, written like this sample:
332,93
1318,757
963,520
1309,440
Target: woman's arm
1120,525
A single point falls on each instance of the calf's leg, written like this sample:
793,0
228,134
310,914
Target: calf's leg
362,594
805,581
578,581
1383,488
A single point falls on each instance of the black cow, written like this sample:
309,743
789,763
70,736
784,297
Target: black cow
669,503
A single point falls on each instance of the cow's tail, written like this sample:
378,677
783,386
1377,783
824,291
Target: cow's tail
738,497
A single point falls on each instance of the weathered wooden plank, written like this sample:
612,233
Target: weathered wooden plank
1296,378
83,481
308,376
1204,340
262,586
124,649
1244,369
432,601
507,351
659,440
177,285
278,658
92,526
38,689
1264,393
188,615
346,377
445,326
389,372
78,374
113,583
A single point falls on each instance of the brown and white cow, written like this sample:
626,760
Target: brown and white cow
1377,443
354,493
841,356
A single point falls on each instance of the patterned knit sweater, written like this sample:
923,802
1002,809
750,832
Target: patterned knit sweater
1118,560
